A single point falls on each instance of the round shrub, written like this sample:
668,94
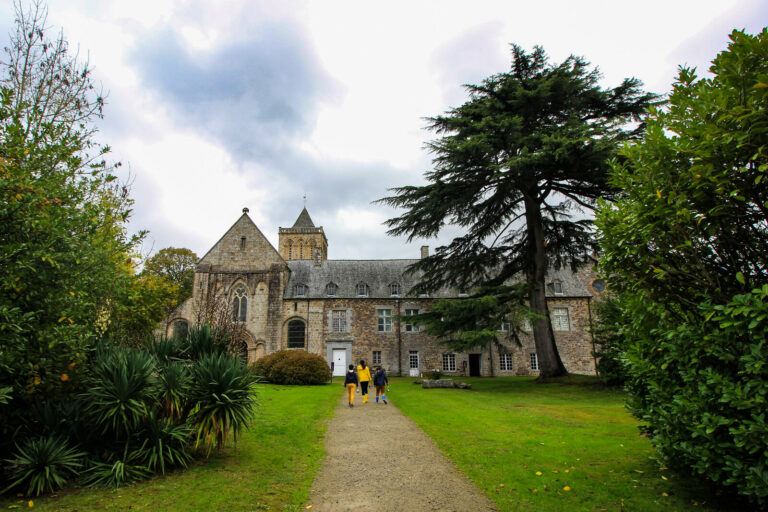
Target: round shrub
294,367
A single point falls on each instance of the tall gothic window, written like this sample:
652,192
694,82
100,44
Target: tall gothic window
290,250
296,333
239,304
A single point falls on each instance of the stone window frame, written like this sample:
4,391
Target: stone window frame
331,286
288,333
361,287
410,327
506,362
239,301
534,362
347,320
449,362
242,243
376,357
290,249
384,321
301,290
557,317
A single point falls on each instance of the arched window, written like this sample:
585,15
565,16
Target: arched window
180,329
290,250
239,304
301,250
296,333
330,289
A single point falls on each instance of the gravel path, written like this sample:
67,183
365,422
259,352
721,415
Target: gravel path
377,459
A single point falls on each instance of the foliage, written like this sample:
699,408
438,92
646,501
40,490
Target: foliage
223,394
685,245
166,350
63,241
609,347
176,265
173,384
299,367
512,165
204,341
434,374
263,367
44,465
118,472
121,392
145,301
166,444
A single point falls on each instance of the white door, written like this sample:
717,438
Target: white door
339,362
413,363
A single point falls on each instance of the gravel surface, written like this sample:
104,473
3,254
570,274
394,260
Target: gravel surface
377,459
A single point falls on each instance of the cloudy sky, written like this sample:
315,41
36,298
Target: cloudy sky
218,105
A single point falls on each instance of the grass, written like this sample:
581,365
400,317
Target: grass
567,445
271,468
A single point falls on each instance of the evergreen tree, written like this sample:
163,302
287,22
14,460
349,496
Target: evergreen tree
512,165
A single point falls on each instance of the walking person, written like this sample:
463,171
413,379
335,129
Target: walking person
380,381
350,383
364,376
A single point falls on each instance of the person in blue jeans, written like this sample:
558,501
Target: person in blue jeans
380,381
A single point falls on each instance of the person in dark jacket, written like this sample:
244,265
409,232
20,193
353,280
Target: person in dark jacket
380,381
350,383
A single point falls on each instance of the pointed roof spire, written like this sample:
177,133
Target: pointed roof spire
304,220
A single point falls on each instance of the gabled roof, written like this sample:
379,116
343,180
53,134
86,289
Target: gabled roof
304,220
228,254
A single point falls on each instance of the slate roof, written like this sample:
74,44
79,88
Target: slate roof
379,274
304,220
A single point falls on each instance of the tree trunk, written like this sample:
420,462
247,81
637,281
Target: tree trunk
550,364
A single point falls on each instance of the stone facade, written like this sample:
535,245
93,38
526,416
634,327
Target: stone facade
347,310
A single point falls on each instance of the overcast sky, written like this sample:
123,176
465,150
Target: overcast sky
218,105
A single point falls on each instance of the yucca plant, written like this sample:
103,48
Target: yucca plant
173,383
165,444
225,403
166,350
116,472
121,392
43,464
204,340
62,419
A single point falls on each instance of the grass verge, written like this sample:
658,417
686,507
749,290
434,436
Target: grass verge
562,445
271,468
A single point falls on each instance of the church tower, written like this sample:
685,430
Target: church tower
303,241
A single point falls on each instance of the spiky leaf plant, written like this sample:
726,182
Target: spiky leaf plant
43,465
121,392
166,350
117,472
225,401
173,383
205,340
165,444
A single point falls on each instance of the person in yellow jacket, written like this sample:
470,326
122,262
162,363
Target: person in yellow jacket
364,376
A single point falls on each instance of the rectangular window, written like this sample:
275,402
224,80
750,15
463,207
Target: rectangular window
242,243
534,361
449,362
376,359
301,290
413,359
560,320
339,321
505,326
505,362
362,290
385,320
394,289
409,327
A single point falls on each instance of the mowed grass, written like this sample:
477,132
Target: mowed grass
575,433
271,468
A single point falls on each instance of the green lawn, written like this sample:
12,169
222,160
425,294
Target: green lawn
271,468
575,433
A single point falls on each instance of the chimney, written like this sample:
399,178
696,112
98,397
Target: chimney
424,251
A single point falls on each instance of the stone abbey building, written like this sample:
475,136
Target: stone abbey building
295,298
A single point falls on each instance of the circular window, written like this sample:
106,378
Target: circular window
598,285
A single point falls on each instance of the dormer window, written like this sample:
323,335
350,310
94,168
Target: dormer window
394,289
301,290
330,290
555,287
362,290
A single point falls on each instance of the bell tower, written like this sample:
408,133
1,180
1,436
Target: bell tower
303,241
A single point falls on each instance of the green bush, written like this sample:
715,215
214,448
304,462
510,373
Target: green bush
263,367
204,340
44,465
299,367
609,346
224,398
